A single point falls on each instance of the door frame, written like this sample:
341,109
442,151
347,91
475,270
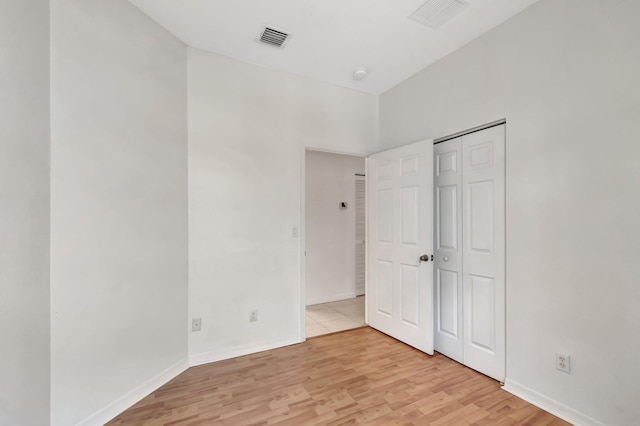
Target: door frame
302,231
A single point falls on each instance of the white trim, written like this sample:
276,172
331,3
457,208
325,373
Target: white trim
213,356
130,398
366,246
362,154
302,291
550,405
332,298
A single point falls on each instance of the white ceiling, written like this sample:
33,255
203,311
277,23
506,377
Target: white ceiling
330,38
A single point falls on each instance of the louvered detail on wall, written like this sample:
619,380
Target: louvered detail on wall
360,235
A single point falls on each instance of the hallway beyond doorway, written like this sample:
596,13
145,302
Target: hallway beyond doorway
330,317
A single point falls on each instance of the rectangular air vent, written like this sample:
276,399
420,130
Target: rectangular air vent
274,37
435,13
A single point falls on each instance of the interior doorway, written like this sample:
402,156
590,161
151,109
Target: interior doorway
334,243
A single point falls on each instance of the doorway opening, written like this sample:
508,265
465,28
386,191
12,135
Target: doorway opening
334,271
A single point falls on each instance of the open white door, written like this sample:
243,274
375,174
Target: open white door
400,211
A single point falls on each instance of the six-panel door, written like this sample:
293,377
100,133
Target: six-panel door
469,265
399,294
483,243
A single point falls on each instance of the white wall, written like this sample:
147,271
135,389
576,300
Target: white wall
24,212
330,232
247,128
118,208
565,76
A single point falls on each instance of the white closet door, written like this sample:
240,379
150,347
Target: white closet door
469,279
448,249
483,235
400,208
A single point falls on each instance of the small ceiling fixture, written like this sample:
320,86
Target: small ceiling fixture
435,13
360,73
273,37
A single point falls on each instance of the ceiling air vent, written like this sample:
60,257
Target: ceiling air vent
435,13
274,37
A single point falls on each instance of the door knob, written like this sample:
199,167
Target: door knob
446,259
424,258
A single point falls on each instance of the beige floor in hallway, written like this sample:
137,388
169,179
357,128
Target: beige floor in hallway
335,316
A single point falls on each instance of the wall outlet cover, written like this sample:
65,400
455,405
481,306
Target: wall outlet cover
563,362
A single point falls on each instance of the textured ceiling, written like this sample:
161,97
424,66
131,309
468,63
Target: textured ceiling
330,39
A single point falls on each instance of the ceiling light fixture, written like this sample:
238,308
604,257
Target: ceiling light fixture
360,73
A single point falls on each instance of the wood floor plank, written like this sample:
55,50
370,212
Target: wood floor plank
354,377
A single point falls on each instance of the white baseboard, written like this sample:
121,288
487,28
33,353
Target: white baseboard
550,405
135,395
331,298
213,356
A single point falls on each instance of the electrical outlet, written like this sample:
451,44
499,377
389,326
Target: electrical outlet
563,362
253,316
196,324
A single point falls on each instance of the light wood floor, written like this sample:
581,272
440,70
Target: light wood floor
358,376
